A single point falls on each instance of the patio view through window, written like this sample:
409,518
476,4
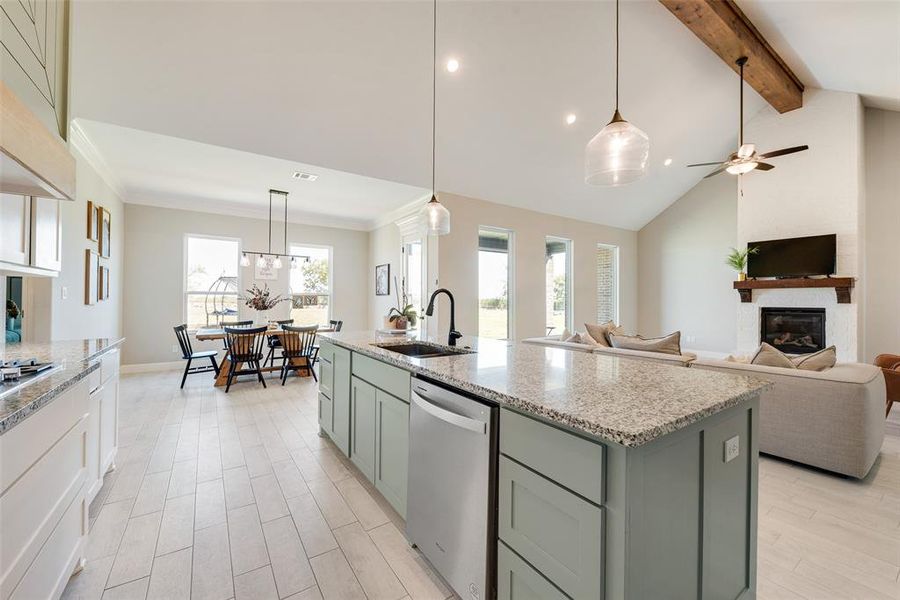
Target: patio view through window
311,286
211,285
494,289
558,258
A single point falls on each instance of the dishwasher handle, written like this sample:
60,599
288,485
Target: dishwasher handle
448,416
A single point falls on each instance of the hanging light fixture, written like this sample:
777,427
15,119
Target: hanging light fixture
245,260
271,259
434,214
620,152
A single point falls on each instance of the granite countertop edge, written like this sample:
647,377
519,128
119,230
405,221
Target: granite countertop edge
624,438
71,373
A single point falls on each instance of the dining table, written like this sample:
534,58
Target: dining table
205,334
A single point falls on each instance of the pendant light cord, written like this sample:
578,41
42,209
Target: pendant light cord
617,55
270,221
433,96
741,115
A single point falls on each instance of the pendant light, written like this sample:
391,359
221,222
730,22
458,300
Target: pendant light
269,259
434,214
619,153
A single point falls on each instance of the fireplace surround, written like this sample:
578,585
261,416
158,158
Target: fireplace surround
793,330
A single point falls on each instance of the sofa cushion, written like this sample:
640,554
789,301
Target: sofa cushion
668,344
600,333
770,356
817,361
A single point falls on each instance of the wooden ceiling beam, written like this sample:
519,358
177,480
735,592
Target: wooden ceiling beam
722,26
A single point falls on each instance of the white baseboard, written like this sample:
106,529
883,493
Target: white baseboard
152,367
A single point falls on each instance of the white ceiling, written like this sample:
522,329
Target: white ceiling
849,45
162,170
346,86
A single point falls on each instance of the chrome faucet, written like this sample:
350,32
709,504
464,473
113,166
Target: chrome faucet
454,334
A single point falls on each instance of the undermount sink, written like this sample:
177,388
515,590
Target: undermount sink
421,350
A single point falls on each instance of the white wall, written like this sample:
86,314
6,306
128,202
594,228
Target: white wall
384,247
684,283
458,260
882,227
154,281
814,192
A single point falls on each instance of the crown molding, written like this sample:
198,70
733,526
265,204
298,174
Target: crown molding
407,211
79,140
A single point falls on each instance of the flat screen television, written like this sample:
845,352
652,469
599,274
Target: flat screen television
793,257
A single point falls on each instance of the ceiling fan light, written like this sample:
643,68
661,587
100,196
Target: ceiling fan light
746,150
617,155
741,168
436,217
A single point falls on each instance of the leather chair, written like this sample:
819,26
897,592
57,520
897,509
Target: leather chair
890,366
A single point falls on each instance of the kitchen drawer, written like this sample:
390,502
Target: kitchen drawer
516,580
572,461
557,532
326,413
109,365
326,368
393,380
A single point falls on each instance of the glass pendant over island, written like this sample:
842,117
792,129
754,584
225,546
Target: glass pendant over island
435,216
619,153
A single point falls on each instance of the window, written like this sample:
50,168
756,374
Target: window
413,274
495,283
311,286
607,283
558,258
211,284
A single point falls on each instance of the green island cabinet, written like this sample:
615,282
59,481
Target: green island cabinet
364,409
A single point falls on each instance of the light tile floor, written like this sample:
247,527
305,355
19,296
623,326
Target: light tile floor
236,496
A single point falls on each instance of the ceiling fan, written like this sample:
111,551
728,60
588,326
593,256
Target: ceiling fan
746,158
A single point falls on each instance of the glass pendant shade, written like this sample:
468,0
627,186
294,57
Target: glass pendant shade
617,155
245,260
436,217
261,261
277,262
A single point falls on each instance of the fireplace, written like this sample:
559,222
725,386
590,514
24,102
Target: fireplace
793,330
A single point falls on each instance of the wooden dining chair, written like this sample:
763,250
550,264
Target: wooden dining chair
235,324
890,366
245,346
297,350
275,343
188,354
336,325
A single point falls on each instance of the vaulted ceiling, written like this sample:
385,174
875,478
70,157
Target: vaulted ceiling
346,86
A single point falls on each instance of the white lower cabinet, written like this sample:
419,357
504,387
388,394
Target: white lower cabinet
43,506
103,421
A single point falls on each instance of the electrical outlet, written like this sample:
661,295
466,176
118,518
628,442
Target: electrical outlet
732,448
64,292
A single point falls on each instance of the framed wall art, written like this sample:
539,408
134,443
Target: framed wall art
91,276
103,225
383,280
92,221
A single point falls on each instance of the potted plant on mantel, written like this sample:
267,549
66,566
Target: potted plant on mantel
402,316
737,259
261,300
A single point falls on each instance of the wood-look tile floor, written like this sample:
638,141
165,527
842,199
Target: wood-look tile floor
236,496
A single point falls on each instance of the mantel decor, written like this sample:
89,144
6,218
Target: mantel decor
841,285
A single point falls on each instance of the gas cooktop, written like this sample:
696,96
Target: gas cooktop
15,374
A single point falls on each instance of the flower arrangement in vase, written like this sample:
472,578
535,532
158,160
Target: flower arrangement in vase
261,300
402,316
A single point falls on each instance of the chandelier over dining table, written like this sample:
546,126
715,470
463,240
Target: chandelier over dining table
269,259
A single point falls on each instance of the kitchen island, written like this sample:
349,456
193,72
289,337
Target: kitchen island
58,437
615,477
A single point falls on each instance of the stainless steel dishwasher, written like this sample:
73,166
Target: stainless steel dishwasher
451,498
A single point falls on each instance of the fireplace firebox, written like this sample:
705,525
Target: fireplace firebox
793,330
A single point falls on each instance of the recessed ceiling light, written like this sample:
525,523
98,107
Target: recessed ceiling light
453,65
304,176
570,118
667,162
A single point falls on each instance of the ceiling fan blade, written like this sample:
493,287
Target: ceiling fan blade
718,162
764,166
784,151
716,172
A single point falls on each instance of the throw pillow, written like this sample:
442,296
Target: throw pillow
743,359
667,344
769,356
565,335
600,333
587,339
817,361
575,338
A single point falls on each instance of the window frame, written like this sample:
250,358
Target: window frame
294,248
184,272
617,254
510,280
570,282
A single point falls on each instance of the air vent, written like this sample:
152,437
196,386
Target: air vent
304,176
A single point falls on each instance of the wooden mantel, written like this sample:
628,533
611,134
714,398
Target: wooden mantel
841,285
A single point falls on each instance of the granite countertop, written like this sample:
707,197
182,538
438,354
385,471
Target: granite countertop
76,358
625,400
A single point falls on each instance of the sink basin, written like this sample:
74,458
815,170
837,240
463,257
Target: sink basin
421,350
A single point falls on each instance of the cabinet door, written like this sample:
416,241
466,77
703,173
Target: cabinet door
326,369
46,233
326,414
15,228
362,430
516,580
341,399
109,424
392,441
92,442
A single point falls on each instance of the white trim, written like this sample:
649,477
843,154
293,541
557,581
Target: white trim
152,367
79,140
407,211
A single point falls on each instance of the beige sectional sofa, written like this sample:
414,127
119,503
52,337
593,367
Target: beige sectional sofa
831,419
682,360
